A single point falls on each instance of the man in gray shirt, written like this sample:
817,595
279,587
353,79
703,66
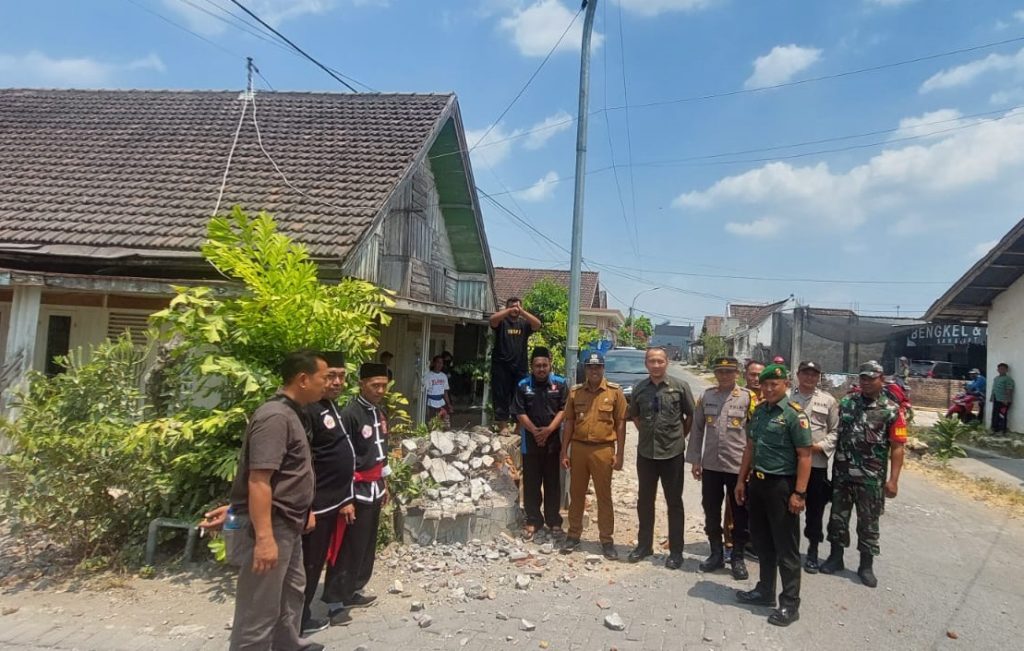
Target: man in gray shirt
823,412
662,410
715,451
271,498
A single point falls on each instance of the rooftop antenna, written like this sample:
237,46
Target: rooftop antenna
250,68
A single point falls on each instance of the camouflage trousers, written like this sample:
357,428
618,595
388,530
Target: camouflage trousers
869,499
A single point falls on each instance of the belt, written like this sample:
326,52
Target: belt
612,442
765,476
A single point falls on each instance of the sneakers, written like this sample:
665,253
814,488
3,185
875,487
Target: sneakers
341,617
739,568
310,626
361,601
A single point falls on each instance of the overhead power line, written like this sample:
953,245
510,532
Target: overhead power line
186,29
629,130
284,38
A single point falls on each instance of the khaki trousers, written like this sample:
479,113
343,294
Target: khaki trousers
268,607
591,461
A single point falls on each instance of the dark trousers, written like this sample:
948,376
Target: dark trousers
314,555
819,492
776,535
713,483
999,413
268,606
503,386
542,484
670,472
354,566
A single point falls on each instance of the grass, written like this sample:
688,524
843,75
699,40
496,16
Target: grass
986,490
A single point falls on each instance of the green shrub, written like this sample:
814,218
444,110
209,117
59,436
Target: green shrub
944,436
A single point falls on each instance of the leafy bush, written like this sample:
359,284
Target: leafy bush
944,436
70,473
97,457
550,302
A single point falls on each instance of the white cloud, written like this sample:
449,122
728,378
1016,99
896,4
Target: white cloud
781,64
1019,15
968,72
494,148
656,7
275,12
928,124
536,28
764,227
497,145
1007,96
919,178
38,70
547,129
541,190
981,249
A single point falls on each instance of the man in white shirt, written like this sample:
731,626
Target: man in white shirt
435,384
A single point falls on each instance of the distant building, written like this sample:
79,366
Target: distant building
675,338
992,292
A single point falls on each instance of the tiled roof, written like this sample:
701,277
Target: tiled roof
142,169
515,281
830,311
750,315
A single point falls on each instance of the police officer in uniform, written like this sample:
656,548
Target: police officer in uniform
716,449
662,410
333,465
777,461
872,429
355,543
595,430
823,412
539,406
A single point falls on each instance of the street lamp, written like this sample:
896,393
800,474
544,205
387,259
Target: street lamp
632,326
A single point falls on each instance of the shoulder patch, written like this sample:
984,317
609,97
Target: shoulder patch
577,386
796,406
614,385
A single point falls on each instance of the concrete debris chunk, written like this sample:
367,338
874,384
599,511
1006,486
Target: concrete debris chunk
614,622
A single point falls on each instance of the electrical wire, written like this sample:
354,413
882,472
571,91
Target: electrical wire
629,134
185,29
284,38
231,153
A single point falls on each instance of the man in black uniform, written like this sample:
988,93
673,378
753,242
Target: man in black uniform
512,329
539,406
367,428
333,465
777,462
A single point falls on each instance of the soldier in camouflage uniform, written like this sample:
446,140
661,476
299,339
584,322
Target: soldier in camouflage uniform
871,430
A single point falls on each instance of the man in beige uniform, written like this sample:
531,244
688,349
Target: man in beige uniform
595,426
717,441
823,412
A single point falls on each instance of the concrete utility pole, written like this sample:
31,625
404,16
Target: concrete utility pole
572,346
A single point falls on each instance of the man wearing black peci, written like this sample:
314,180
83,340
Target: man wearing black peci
333,465
353,549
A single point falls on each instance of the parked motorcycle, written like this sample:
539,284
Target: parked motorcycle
962,406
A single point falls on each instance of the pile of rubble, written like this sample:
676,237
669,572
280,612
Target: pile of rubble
468,471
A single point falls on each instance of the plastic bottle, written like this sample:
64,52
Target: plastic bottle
232,520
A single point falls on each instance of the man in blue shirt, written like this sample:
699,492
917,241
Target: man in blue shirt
977,387
539,406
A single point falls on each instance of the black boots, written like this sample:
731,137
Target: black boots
834,562
866,572
811,559
739,567
716,560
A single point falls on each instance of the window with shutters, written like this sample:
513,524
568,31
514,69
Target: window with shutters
134,322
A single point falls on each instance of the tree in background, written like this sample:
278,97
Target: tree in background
549,302
714,347
636,331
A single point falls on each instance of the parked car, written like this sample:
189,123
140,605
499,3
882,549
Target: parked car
937,369
625,367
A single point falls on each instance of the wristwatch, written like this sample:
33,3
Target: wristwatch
801,495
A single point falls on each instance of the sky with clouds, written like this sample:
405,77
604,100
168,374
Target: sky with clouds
712,175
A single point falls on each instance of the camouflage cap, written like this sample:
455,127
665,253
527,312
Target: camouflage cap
594,359
774,372
726,363
871,369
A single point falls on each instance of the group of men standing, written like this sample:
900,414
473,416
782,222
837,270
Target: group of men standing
761,450
308,493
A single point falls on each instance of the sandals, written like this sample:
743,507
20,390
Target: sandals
529,531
